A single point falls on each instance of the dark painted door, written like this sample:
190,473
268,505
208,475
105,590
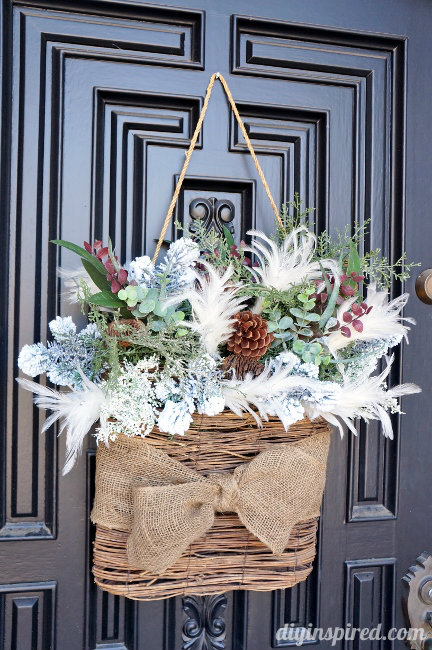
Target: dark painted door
100,99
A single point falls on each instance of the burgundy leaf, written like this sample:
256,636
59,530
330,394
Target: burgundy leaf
88,248
358,278
347,290
323,296
97,244
363,305
102,252
247,261
356,309
115,286
109,266
344,278
369,309
109,277
358,325
347,317
339,300
122,276
345,331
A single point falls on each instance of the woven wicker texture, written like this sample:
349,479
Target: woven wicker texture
228,556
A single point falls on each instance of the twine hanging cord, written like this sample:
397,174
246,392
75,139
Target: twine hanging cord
215,75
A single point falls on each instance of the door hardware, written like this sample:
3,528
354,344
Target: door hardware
423,286
417,600
213,213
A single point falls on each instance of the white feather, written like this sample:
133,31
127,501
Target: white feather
290,263
214,302
72,283
365,398
241,394
382,322
78,411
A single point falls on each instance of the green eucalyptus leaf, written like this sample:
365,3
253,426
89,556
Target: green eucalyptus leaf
305,331
146,307
298,346
313,318
178,316
302,297
158,325
152,294
272,326
317,360
285,322
158,309
181,331
298,313
315,348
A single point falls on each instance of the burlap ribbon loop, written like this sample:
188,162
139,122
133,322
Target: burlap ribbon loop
166,506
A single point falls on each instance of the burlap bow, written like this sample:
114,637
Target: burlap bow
166,506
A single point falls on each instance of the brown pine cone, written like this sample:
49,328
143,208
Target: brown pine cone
251,337
129,325
241,366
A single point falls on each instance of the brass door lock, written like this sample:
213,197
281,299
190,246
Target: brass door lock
417,600
423,286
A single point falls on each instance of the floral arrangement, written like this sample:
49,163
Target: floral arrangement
290,325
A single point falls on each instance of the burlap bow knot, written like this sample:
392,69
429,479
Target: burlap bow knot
166,506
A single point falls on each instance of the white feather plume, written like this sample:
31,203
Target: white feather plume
214,302
367,398
78,411
72,283
287,264
275,380
382,322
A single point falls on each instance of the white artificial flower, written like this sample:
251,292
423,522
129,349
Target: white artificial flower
287,410
32,359
131,408
62,327
211,405
175,418
382,322
142,270
214,303
76,410
365,398
287,264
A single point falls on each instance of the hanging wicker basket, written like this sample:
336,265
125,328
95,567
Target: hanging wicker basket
212,455
228,556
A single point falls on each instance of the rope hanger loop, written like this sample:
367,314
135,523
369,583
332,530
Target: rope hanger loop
215,75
